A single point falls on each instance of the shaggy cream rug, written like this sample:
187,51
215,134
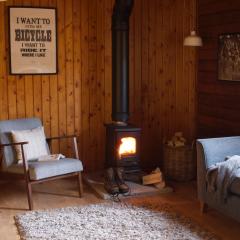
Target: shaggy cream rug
115,221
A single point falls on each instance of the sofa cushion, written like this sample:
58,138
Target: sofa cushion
235,186
40,170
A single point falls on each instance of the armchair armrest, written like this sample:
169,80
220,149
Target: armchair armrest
60,137
12,144
8,145
25,163
74,138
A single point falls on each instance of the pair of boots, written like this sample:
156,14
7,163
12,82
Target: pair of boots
114,182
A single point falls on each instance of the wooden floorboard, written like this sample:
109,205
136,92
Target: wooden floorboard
63,193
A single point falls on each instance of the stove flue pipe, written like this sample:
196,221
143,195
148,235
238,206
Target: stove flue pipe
120,60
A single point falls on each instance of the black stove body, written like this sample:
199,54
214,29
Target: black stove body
122,139
116,156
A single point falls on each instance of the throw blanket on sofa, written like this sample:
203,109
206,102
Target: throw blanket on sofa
220,176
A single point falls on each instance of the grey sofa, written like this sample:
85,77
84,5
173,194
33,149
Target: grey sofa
209,152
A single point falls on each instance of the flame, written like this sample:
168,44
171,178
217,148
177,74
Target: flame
127,146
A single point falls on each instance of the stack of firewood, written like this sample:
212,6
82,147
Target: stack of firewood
155,178
177,140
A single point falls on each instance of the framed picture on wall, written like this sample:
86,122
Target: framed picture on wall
32,40
229,57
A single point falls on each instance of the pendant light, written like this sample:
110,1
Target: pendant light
193,40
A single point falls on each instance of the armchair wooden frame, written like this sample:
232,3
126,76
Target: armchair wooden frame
30,182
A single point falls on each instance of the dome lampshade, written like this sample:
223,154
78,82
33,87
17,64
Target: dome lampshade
193,40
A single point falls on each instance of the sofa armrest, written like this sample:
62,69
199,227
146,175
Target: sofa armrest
201,171
216,150
211,151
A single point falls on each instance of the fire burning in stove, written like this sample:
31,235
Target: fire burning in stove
127,146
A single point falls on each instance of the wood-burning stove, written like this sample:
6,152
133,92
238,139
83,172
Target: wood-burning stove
122,139
122,147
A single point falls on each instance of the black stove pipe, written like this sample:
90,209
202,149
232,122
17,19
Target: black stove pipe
120,60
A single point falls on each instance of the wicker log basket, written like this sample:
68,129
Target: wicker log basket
179,163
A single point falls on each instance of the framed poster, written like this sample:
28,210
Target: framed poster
229,57
33,40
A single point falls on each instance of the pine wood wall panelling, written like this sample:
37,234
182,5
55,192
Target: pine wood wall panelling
160,90
152,77
100,133
162,94
216,19
108,6
209,7
77,71
189,64
93,88
137,62
167,66
172,69
20,85
69,71
37,86
46,92
180,113
85,81
54,116
132,64
175,87
62,104
218,105
12,90
3,68
78,99
192,76
185,89
28,91
145,148
108,59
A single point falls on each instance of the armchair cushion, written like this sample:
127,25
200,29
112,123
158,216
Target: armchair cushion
40,170
5,136
36,146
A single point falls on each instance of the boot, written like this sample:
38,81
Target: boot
110,184
123,187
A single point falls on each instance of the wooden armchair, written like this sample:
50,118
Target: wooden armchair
34,171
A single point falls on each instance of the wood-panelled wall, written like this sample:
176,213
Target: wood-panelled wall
218,101
78,99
